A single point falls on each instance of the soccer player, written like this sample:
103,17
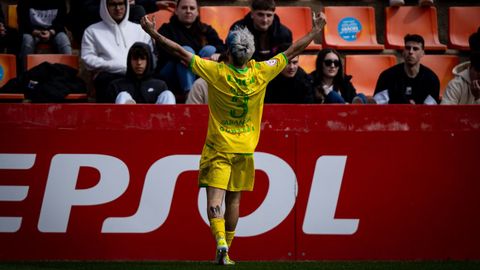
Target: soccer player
236,89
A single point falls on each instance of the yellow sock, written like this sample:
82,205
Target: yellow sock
217,226
229,237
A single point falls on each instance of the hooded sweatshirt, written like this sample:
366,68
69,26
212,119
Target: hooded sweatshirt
458,89
143,89
105,44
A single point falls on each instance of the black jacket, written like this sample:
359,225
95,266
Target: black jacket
176,31
294,90
143,90
277,35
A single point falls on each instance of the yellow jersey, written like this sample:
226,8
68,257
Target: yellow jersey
235,101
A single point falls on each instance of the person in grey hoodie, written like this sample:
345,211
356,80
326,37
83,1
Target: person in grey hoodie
138,86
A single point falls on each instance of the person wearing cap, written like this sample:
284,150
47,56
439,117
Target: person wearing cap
236,89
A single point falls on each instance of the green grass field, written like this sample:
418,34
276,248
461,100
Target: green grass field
429,265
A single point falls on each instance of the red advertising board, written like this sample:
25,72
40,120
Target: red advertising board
119,182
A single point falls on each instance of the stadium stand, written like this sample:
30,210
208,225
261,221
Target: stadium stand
222,17
350,28
400,21
442,65
462,22
299,20
365,70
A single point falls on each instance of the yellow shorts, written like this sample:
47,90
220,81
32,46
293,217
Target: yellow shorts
232,172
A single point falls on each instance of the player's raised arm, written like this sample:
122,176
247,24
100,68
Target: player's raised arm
298,46
174,48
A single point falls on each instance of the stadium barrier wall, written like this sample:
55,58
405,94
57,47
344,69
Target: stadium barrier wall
104,182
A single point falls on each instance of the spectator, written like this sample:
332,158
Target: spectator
138,86
105,45
199,92
402,2
42,22
266,28
409,82
330,84
85,13
292,85
464,88
186,29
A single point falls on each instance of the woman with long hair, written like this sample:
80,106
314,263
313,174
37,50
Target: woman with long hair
186,29
330,84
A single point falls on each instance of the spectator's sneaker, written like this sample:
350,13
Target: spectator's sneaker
425,3
396,3
130,101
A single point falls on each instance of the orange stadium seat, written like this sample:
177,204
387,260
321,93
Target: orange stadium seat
365,70
307,62
8,70
221,18
442,65
462,22
36,59
12,17
351,28
161,16
299,21
66,59
412,20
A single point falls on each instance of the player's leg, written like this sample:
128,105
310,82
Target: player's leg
217,222
232,212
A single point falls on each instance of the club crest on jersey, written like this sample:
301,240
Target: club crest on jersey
272,62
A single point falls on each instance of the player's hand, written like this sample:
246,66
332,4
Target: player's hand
215,57
319,21
147,25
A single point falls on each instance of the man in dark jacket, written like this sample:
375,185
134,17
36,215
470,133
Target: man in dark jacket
292,86
266,28
138,86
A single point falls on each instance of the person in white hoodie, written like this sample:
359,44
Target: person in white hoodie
464,88
105,45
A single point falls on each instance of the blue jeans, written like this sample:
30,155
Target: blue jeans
29,43
185,77
334,97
